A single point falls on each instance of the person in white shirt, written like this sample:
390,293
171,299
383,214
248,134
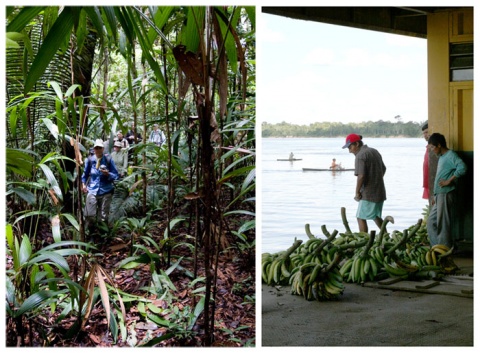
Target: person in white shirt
157,136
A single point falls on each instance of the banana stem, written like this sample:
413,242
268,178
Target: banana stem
416,228
332,236
334,262
400,243
309,233
384,227
359,244
369,244
325,231
344,220
291,249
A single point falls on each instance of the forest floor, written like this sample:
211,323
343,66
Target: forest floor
234,312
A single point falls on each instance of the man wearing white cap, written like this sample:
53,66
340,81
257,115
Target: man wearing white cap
370,187
97,181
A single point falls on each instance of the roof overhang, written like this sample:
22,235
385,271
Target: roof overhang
409,21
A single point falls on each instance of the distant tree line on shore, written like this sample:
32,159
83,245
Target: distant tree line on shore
332,129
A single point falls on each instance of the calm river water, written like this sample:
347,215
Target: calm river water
291,197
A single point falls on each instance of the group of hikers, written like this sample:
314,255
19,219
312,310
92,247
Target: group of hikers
103,167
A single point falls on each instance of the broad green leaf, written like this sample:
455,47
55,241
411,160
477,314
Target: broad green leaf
159,321
36,300
153,308
81,32
173,222
11,244
160,19
199,308
229,41
10,293
247,226
50,257
11,44
25,251
236,172
95,17
56,232
248,180
191,32
51,127
30,214
153,342
73,221
134,261
173,267
20,162
15,36
58,90
51,180
251,12
110,21
13,117
24,194
244,212
72,89
60,30
26,14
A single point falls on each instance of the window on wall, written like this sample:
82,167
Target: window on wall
461,62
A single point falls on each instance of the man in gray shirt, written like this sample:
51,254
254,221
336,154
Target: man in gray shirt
370,188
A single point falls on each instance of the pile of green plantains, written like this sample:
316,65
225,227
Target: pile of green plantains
318,268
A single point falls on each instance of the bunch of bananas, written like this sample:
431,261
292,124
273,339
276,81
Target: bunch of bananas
398,268
312,270
361,268
277,267
421,235
440,255
415,254
316,281
437,252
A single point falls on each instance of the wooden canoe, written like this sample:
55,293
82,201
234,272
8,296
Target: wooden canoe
327,170
291,160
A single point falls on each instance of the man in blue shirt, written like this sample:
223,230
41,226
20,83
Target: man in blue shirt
97,181
450,168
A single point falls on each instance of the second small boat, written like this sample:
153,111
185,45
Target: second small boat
327,170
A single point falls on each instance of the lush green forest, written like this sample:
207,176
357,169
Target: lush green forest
174,263
330,129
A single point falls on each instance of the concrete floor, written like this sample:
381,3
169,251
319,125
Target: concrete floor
368,316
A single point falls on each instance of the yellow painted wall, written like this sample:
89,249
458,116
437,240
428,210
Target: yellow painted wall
450,111
461,115
438,75
450,104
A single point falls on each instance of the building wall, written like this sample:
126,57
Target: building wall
450,108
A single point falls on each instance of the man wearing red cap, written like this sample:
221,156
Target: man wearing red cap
370,188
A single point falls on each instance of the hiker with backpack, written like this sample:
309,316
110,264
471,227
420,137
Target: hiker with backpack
120,158
97,181
157,136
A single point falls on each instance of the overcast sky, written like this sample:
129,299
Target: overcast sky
311,72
